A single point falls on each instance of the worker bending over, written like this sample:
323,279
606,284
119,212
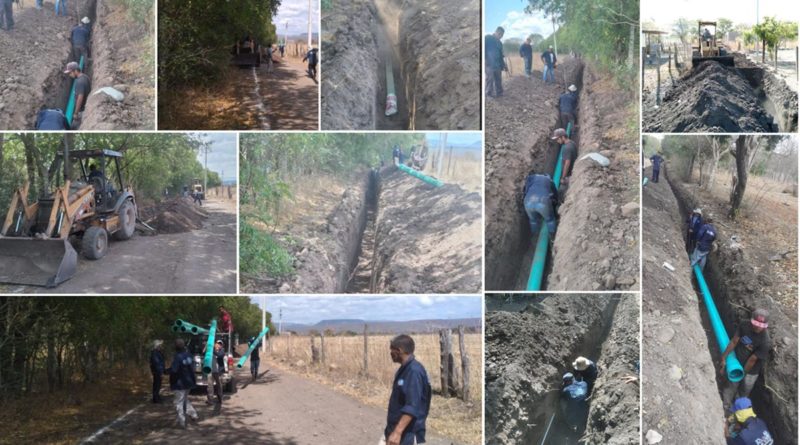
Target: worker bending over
540,199
705,241
751,344
744,428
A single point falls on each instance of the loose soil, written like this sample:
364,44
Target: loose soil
532,340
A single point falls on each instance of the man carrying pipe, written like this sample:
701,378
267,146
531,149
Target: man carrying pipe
495,62
705,241
656,160
214,386
569,151
410,400
751,344
567,104
255,357
181,382
744,428
693,224
82,87
540,198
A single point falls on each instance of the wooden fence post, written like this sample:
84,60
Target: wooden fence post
446,365
366,353
314,351
322,346
464,365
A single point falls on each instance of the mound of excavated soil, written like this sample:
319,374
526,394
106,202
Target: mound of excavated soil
710,98
174,216
428,240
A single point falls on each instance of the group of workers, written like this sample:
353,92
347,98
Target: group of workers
495,62
55,118
418,157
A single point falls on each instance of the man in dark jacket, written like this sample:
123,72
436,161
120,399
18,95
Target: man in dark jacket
181,381
693,224
157,369
656,160
549,60
585,371
573,401
526,52
51,119
495,62
540,199
567,104
255,358
80,39
311,56
410,400
705,241
214,382
744,428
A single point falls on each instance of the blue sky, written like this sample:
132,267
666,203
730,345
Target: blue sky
312,309
456,138
510,15
222,157
739,11
296,13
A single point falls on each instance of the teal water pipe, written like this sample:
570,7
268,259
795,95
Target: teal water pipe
732,366
209,347
432,181
71,101
252,346
644,181
391,96
540,254
185,326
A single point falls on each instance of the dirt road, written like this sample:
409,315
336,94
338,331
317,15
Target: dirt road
196,262
279,408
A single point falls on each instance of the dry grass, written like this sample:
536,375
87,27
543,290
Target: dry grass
449,417
464,169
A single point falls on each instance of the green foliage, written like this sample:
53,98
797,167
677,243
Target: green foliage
684,30
511,47
260,253
327,5
774,33
536,39
724,26
140,10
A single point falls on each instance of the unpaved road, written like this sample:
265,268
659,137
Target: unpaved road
201,261
280,408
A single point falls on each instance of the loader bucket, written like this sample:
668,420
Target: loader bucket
36,262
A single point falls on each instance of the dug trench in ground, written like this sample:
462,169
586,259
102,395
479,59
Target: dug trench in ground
532,340
680,397
711,97
740,286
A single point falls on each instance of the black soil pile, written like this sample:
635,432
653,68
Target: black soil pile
710,98
177,215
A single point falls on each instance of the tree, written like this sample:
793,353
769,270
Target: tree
720,146
682,29
536,39
742,147
724,26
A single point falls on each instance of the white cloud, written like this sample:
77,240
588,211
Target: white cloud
520,25
296,13
425,300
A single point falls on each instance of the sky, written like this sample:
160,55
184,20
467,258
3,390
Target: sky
739,11
313,309
296,13
223,154
511,16
456,138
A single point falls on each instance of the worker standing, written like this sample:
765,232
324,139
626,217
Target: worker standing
526,52
255,357
214,384
567,104
569,151
157,367
693,224
7,13
751,344
397,154
656,160
744,428
82,88
182,381
61,7
495,62
225,323
311,56
549,60
80,39
540,198
410,399
706,236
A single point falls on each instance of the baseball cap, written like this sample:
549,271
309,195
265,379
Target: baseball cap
72,66
760,318
219,341
559,132
567,376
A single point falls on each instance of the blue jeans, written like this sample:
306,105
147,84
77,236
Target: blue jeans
538,209
699,257
527,66
254,367
62,9
548,72
39,4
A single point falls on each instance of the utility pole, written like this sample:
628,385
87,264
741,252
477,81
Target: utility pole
555,44
263,321
286,36
309,26
205,168
280,320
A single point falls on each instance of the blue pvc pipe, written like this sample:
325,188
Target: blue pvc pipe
543,241
733,368
71,101
432,181
209,347
252,346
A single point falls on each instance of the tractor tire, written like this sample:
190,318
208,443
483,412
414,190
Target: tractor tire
127,221
95,243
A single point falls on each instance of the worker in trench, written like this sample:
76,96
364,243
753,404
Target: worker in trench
79,37
410,400
585,370
569,152
82,87
567,104
751,344
540,198
574,406
656,160
495,62
693,224
51,119
742,427
705,238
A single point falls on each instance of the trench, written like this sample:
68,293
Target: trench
715,279
755,77
58,85
362,273
386,30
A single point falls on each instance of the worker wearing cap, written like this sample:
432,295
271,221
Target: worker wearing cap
549,60
569,151
217,367
704,240
586,371
744,428
82,87
540,198
751,344
182,381
7,13
567,104
157,367
526,52
79,36
656,160
495,62
693,224
573,400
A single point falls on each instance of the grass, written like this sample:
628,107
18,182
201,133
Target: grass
261,253
343,370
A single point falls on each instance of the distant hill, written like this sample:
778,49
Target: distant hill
383,327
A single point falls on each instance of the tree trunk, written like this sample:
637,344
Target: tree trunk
741,170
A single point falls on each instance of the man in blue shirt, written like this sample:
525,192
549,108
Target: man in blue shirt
51,119
80,39
656,160
705,240
397,155
255,358
526,52
311,56
744,428
693,224
157,369
410,400
540,198
549,60
181,381
567,104
495,62
573,401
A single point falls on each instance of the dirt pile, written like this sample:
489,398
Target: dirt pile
710,98
427,240
678,379
600,213
440,49
177,215
34,55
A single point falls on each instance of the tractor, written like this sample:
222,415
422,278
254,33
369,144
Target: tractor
197,189
708,47
90,204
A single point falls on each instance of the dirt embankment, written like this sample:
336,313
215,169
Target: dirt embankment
600,213
532,340
680,397
781,99
177,215
740,284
